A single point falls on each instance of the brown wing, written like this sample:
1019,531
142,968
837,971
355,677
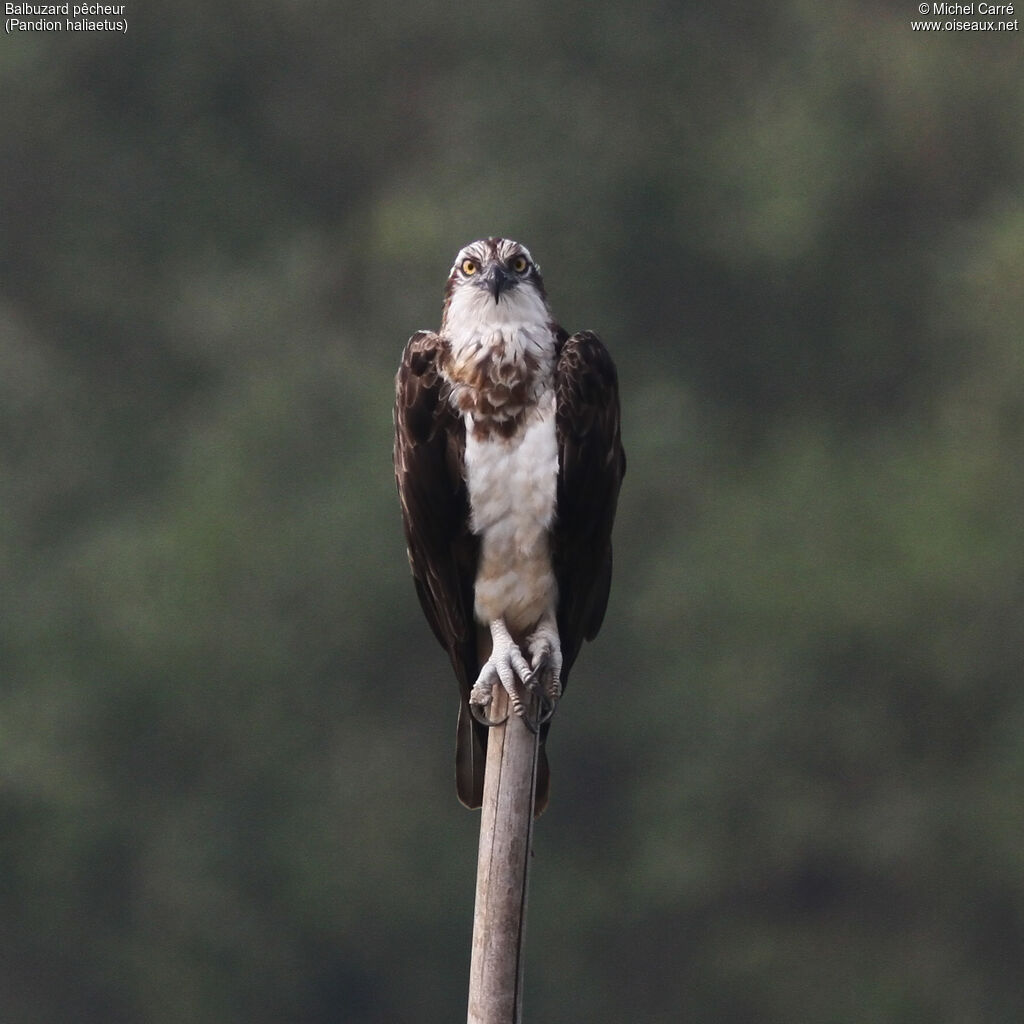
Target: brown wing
430,443
592,464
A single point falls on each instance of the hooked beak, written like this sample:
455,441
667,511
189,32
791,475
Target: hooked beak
496,281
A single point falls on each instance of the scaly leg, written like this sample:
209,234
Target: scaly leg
546,658
505,665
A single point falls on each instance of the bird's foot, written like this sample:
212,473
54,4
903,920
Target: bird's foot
546,660
509,667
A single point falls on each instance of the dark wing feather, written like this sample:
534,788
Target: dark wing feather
591,467
430,443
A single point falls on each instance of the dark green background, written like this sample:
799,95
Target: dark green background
788,778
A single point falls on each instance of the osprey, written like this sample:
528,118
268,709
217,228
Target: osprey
508,462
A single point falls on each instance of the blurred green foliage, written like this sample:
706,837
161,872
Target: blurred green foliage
788,778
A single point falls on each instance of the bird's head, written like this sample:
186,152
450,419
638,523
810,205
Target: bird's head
496,278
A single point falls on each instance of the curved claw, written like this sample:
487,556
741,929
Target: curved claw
547,710
547,702
478,712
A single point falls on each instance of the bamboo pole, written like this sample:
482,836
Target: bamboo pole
506,838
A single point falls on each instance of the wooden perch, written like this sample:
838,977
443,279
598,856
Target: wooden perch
506,838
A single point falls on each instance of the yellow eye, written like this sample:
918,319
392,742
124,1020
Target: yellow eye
469,267
519,264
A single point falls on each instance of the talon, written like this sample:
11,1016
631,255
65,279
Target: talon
506,666
476,709
532,686
547,711
530,724
546,655
482,693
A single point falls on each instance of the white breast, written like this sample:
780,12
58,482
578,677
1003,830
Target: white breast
512,487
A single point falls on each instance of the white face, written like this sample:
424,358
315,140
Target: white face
495,281
475,305
495,309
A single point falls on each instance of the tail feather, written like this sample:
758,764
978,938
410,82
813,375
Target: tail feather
470,758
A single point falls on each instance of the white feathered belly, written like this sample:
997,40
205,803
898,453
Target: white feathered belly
512,487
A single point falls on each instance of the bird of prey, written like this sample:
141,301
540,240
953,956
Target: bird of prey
508,462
